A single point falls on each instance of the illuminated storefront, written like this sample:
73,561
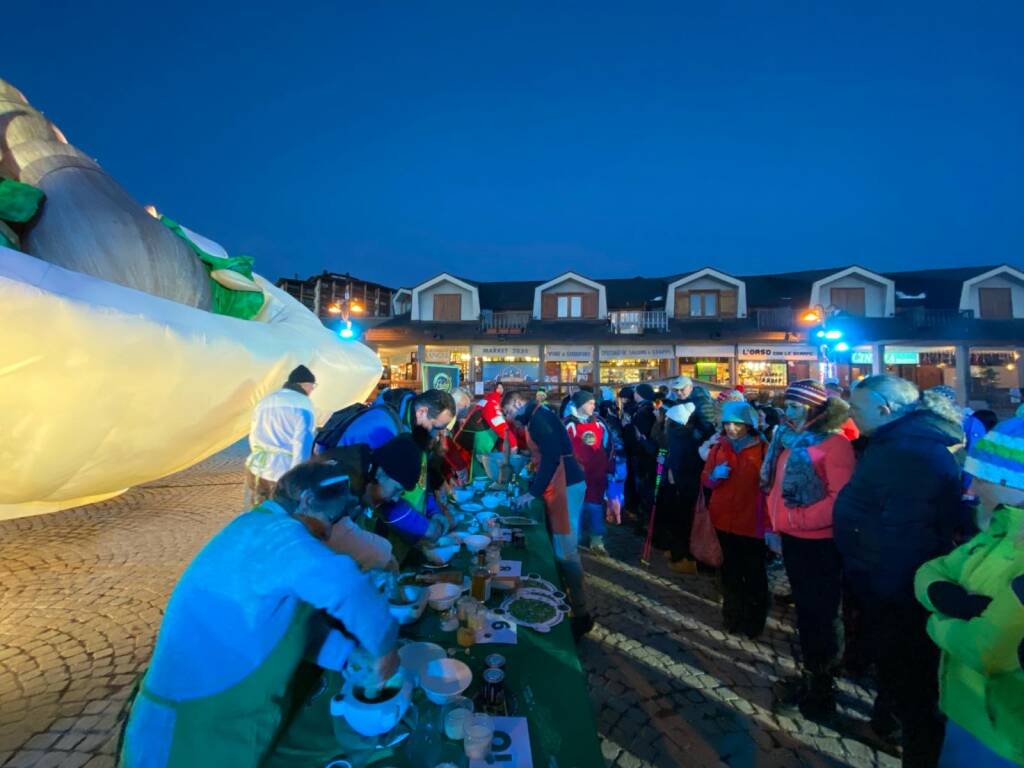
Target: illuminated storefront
634,364
566,364
773,366
925,366
707,363
517,363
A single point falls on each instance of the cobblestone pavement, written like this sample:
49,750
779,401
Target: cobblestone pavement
82,593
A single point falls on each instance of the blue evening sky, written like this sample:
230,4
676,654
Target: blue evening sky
517,139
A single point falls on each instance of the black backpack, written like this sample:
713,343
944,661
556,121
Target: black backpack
330,434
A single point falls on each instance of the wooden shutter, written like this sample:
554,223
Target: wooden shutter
682,303
447,307
549,306
995,303
850,300
590,305
727,304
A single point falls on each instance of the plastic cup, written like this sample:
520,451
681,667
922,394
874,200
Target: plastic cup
455,723
478,732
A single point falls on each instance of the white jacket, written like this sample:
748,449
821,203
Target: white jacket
281,434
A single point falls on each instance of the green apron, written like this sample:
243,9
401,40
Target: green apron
237,726
483,443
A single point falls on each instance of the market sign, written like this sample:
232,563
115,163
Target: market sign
892,357
650,352
566,352
777,352
438,355
705,350
505,350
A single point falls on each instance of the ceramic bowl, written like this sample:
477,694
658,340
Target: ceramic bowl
472,507
494,500
442,551
372,718
443,596
462,495
476,541
414,658
444,679
481,483
407,603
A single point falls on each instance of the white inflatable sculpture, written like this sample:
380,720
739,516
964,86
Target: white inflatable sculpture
108,383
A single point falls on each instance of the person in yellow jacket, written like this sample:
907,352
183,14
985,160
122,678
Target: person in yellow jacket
976,597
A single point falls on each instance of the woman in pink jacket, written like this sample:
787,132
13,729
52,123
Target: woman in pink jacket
808,462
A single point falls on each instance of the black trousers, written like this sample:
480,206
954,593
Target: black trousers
674,519
908,675
629,487
744,583
815,574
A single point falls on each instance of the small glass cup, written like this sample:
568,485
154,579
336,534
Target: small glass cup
478,732
457,713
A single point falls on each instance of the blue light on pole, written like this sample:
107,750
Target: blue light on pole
346,331
820,334
832,335
842,346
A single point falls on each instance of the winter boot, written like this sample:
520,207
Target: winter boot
819,702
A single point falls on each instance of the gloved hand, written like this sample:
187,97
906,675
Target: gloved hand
952,600
369,671
721,472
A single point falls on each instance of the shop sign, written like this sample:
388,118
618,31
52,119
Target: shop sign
777,352
437,355
892,357
505,350
650,352
705,350
558,352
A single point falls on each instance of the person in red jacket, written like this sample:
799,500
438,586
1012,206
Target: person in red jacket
733,471
849,427
495,417
592,445
808,463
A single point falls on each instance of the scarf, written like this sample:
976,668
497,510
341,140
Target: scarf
801,484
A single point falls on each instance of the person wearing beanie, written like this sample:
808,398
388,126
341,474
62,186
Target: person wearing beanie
241,620
901,508
806,466
645,454
975,600
281,434
733,473
627,410
680,484
592,446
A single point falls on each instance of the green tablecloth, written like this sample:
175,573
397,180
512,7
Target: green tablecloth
543,672
543,677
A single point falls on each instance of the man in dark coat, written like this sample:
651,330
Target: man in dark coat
900,509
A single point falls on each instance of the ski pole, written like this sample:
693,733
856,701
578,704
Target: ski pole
645,553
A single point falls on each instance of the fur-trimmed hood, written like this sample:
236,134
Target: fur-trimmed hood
837,411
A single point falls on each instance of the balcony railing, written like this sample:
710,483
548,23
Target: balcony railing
775,319
638,321
505,322
923,317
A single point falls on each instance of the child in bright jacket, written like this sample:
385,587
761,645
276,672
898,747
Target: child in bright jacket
733,471
976,596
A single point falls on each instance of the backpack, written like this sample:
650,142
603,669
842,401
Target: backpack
398,398
330,434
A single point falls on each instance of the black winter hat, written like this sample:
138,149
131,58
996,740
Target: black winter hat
646,391
626,393
401,458
301,375
582,397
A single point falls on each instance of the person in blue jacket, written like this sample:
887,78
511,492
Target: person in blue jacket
426,415
220,686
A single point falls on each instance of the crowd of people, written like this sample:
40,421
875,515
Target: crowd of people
897,516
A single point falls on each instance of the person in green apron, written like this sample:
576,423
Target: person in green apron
238,625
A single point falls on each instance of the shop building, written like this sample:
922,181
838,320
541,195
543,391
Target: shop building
963,327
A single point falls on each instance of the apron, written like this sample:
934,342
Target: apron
237,726
483,444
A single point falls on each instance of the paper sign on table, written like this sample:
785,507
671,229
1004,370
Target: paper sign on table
498,629
510,568
511,745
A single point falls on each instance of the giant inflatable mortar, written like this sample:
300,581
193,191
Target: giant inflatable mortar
114,370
